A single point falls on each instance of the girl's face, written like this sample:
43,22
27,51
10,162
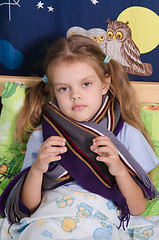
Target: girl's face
78,90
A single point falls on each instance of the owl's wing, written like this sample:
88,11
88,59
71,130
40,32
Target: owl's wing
131,54
76,30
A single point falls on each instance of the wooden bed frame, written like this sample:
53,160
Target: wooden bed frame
146,91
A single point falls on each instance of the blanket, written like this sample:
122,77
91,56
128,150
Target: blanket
71,212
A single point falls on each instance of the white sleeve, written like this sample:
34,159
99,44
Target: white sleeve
138,146
34,143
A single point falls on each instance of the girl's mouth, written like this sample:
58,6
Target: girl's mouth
78,107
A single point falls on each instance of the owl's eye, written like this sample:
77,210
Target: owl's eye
119,35
101,38
110,34
72,34
94,38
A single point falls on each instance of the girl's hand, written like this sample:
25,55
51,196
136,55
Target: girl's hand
108,154
49,152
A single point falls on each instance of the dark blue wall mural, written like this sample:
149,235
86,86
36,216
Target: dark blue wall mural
127,30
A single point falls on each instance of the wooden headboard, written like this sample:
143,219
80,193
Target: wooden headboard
146,91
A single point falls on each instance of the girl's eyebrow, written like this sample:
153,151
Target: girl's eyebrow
60,84
87,78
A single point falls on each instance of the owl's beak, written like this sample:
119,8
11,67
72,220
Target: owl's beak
98,41
114,38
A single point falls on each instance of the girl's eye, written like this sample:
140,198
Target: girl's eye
64,89
86,84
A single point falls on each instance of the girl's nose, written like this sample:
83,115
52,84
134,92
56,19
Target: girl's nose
75,96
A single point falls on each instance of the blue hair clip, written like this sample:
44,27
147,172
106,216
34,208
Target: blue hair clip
107,59
45,79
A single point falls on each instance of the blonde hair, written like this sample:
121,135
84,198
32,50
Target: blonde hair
79,48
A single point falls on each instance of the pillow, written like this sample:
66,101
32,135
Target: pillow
150,116
11,153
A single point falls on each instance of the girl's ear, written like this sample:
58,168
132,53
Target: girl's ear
106,83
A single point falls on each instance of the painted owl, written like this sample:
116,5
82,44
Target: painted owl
96,34
76,30
120,46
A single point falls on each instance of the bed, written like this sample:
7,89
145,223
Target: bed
12,89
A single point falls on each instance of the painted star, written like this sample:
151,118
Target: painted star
94,2
50,9
40,5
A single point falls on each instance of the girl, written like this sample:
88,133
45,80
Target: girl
90,97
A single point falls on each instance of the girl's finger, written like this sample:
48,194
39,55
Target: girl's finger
104,150
50,158
53,150
99,138
55,140
103,141
106,160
